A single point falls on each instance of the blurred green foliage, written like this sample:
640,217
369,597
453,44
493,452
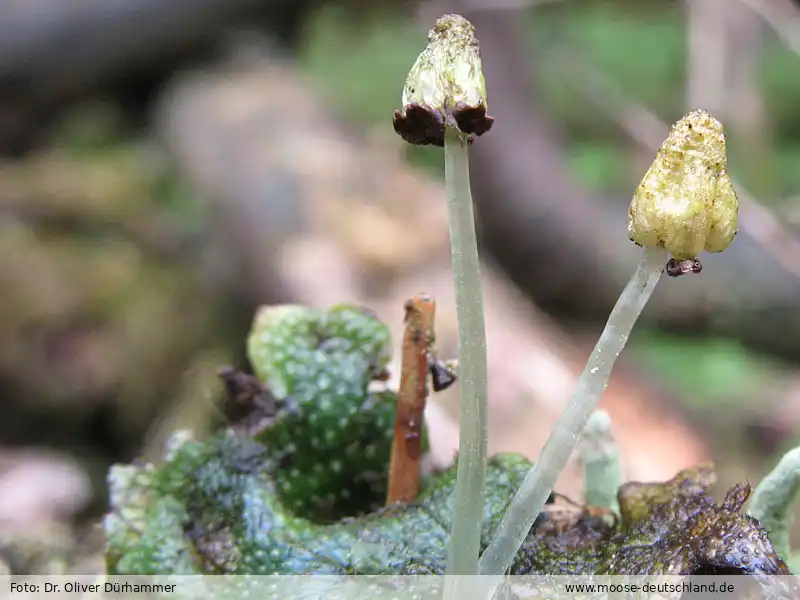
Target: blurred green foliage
97,131
712,372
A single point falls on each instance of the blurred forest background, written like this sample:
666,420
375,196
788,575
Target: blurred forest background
166,167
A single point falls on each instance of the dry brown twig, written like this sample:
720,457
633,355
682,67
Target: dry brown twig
418,338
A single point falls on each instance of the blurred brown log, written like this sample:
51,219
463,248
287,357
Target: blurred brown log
52,52
50,49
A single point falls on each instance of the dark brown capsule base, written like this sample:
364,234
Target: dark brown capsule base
423,126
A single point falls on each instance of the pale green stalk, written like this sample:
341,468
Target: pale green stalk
530,499
773,498
469,493
602,473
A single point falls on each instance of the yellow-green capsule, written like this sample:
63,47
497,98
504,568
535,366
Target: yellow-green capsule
686,201
445,87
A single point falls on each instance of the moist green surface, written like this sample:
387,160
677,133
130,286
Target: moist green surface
304,494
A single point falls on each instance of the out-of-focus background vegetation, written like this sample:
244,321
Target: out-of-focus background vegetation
167,167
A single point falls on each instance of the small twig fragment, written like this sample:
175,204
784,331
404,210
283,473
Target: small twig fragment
443,375
404,470
561,514
254,406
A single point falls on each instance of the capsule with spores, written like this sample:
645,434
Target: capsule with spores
686,201
445,87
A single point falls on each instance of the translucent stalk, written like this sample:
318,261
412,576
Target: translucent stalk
772,500
471,474
602,473
531,497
